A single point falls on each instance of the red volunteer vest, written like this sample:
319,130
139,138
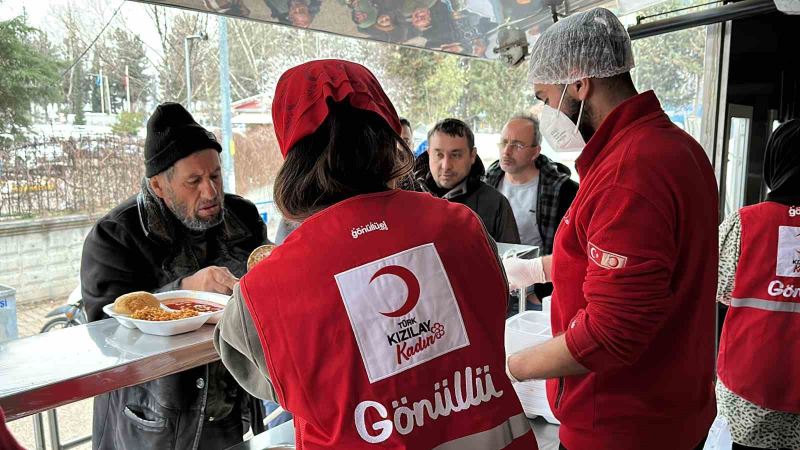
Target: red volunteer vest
759,352
382,322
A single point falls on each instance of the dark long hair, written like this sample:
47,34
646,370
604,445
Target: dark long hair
782,164
353,152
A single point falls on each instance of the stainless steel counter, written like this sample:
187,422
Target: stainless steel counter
49,370
52,369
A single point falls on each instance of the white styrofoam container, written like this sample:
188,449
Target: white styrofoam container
220,299
161,327
546,305
522,331
172,327
527,329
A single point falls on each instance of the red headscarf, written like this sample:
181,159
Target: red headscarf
300,104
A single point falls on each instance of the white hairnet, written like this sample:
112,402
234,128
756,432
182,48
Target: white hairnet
591,44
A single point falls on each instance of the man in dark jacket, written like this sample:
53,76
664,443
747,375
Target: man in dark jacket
451,170
180,232
540,190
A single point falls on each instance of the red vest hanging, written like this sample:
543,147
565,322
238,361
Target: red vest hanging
759,354
382,321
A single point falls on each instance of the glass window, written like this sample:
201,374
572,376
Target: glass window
736,167
672,65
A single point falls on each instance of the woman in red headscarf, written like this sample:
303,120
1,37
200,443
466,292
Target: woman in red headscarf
379,321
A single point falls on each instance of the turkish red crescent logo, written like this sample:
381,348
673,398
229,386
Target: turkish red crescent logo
606,259
412,284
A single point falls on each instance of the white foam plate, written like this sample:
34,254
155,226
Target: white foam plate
172,327
219,299
522,331
123,319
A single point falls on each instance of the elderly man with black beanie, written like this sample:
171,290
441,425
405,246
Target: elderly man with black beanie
181,231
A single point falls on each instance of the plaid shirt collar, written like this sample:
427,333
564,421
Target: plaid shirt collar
551,177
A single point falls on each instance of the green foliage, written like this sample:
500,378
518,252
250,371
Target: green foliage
433,86
110,56
425,86
76,84
129,51
28,74
671,64
77,97
128,123
496,92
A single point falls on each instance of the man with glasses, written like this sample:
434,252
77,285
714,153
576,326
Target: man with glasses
539,190
407,133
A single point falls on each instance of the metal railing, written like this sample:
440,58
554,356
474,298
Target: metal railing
49,176
55,434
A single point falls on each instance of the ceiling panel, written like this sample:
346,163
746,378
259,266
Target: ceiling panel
465,27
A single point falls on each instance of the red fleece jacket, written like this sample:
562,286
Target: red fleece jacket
634,275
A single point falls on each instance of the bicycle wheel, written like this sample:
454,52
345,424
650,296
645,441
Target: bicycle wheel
57,324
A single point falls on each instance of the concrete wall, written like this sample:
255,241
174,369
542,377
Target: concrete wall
41,258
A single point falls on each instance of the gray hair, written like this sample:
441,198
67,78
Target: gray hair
537,136
149,187
192,223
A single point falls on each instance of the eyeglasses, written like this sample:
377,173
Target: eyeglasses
516,146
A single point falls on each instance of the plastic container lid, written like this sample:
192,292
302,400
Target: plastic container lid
522,331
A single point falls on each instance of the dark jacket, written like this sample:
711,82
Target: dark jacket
556,192
141,246
490,205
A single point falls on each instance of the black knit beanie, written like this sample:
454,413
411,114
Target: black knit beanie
172,134
782,164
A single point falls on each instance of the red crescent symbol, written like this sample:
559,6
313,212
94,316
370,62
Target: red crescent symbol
412,284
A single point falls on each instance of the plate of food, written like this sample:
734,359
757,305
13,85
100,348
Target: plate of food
166,313
202,302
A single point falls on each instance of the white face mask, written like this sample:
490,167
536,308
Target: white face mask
559,131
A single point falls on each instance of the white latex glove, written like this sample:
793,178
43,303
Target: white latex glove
524,272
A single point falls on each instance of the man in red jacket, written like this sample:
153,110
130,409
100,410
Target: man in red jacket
634,260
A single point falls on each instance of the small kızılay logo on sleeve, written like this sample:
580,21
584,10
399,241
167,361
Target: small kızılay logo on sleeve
606,260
